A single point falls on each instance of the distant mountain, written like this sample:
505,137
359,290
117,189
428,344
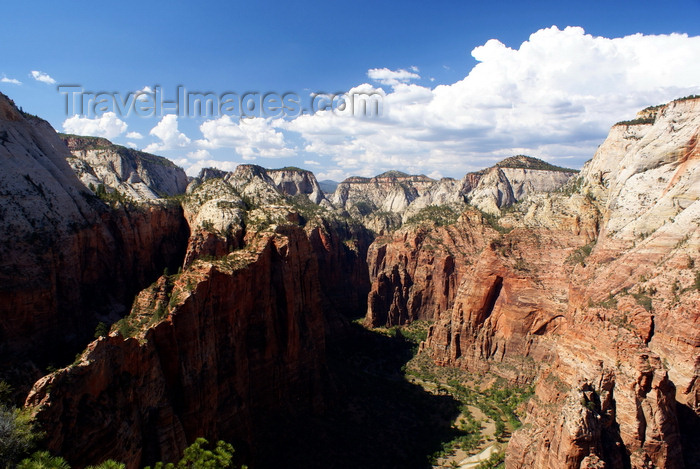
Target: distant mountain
328,186
135,174
528,162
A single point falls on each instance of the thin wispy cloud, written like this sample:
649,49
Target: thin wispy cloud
12,81
392,77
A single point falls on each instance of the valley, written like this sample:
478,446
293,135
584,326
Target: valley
525,316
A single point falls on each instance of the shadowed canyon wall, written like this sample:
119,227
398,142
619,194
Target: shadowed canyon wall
66,259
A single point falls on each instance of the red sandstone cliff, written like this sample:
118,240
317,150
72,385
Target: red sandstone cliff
227,348
627,365
417,270
242,342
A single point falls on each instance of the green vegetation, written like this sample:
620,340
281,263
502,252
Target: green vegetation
496,461
686,98
528,162
365,208
101,330
493,222
697,280
125,327
108,464
43,460
291,168
6,393
113,198
99,143
195,456
573,186
500,402
305,207
638,121
18,437
413,333
580,254
643,300
440,215
610,302
653,108
142,317
392,174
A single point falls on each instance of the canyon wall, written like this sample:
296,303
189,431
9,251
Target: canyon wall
417,270
623,390
226,349
590,292
67,260
241,342
587,288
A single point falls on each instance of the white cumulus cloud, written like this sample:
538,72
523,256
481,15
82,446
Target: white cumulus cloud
170,136
42,77
555,97
108,125
134,135
144,93
250,138
192,168
199,155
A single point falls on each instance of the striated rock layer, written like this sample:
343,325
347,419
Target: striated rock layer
224,349
386,201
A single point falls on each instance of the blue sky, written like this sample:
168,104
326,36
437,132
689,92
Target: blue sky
456,100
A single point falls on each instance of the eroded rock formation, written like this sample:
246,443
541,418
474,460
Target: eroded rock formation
586,288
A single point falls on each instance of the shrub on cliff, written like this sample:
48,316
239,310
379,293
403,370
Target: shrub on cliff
17,435
441,215
43,460
196,456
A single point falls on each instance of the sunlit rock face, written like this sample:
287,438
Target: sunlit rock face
135,174
592,296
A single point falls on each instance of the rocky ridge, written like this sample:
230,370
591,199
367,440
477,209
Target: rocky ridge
636,295
214,364
386,201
